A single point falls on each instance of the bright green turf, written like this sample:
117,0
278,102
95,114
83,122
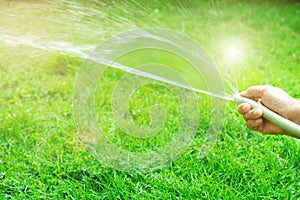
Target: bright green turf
41,156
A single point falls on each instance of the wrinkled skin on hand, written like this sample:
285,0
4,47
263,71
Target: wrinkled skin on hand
275,99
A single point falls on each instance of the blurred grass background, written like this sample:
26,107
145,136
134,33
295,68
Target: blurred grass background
41,156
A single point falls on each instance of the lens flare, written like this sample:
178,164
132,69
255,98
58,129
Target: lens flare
233,50
233,53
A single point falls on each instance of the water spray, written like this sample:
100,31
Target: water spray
193,73
197,74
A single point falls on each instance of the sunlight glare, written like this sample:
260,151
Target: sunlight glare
232,50
233,53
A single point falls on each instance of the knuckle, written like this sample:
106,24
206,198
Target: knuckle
246,116
249,124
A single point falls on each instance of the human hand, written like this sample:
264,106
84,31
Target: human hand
276,100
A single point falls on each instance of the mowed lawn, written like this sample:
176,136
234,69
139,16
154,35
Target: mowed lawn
41,154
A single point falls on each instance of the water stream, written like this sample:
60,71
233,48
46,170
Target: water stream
94,32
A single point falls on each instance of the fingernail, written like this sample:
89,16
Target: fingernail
243,93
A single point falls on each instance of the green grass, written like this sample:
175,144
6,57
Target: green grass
41,154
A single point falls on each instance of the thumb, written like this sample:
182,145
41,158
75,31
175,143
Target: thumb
255,92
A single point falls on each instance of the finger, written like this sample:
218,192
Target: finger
255,124
255,92
270,128
253,114
244,108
